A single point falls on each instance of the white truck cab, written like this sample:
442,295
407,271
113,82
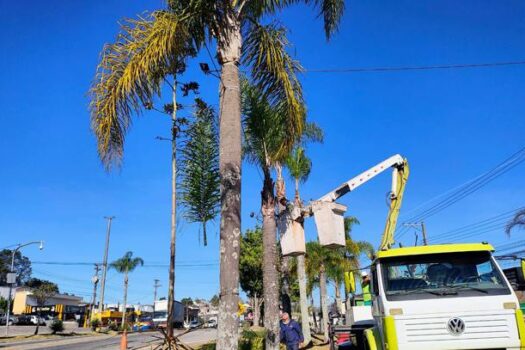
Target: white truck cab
443,297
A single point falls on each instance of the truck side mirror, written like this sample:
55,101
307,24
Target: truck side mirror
350,282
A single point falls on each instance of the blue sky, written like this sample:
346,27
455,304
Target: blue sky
452,125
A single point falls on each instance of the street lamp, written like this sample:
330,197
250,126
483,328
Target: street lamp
11,278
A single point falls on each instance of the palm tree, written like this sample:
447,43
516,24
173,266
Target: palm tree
131,72
125,265
319,261
265,134
517,221
299,167
200,170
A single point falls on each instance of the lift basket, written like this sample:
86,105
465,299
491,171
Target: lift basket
292,236
329,219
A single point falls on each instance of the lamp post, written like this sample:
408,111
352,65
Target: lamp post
18,247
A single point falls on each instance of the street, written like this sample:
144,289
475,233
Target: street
108,342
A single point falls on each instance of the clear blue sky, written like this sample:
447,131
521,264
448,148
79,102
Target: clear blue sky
452,125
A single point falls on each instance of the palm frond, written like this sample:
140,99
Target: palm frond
127,263
273,71
331,11
200,168
298,164
129,74
517,221
264,127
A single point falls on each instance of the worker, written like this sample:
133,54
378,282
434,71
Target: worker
291,333
365,286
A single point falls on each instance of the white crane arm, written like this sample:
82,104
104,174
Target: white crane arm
394,161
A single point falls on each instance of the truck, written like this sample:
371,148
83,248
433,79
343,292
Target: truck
160,314
431,297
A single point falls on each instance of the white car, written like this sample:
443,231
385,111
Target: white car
38,320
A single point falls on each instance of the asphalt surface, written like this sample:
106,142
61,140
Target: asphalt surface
109,342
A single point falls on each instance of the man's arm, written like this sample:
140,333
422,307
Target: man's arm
299,331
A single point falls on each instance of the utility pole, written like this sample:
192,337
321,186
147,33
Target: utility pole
417,227
105,263
156,285
424,233
94,279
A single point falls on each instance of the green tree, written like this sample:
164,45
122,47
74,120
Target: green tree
36,282
214,301
236,26
200,170
251,268
42,293
22,266
125,265
517,221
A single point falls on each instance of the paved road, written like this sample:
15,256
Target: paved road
29,330
106,342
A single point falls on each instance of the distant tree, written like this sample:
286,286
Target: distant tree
517,221
125,265
214,301
250,268
22,266
42,294
186,301
36,282
3,304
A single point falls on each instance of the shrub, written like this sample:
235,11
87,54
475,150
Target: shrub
56,326
95,323
113,326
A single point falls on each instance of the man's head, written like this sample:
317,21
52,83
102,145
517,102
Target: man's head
284,316
364,275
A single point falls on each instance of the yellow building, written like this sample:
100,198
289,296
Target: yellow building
65,306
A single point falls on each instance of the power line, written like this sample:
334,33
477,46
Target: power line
467,188
413,68
490,224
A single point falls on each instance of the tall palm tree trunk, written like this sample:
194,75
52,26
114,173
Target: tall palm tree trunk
305,317
123,324
230,173
270,263
256,310
324,303
348,306
337,288
316,325
285,260
173,241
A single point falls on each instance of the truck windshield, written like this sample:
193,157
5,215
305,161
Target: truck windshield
438,275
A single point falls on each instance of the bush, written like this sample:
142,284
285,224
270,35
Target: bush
113,326
95,323
56,326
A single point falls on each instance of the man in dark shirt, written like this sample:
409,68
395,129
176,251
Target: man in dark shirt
291,333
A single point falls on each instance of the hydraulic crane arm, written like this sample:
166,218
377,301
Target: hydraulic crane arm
396,161
399,178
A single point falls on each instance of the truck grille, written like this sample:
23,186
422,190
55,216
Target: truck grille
477,327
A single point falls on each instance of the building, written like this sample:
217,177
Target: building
64,306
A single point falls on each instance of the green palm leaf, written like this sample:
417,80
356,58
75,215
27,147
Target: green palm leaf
200,168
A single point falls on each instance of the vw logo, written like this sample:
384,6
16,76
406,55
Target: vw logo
456,326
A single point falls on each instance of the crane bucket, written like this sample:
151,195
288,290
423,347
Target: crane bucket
329,219
292,238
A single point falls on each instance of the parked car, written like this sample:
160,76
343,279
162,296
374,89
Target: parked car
211,323
38,320
12,320
194,324
23,320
